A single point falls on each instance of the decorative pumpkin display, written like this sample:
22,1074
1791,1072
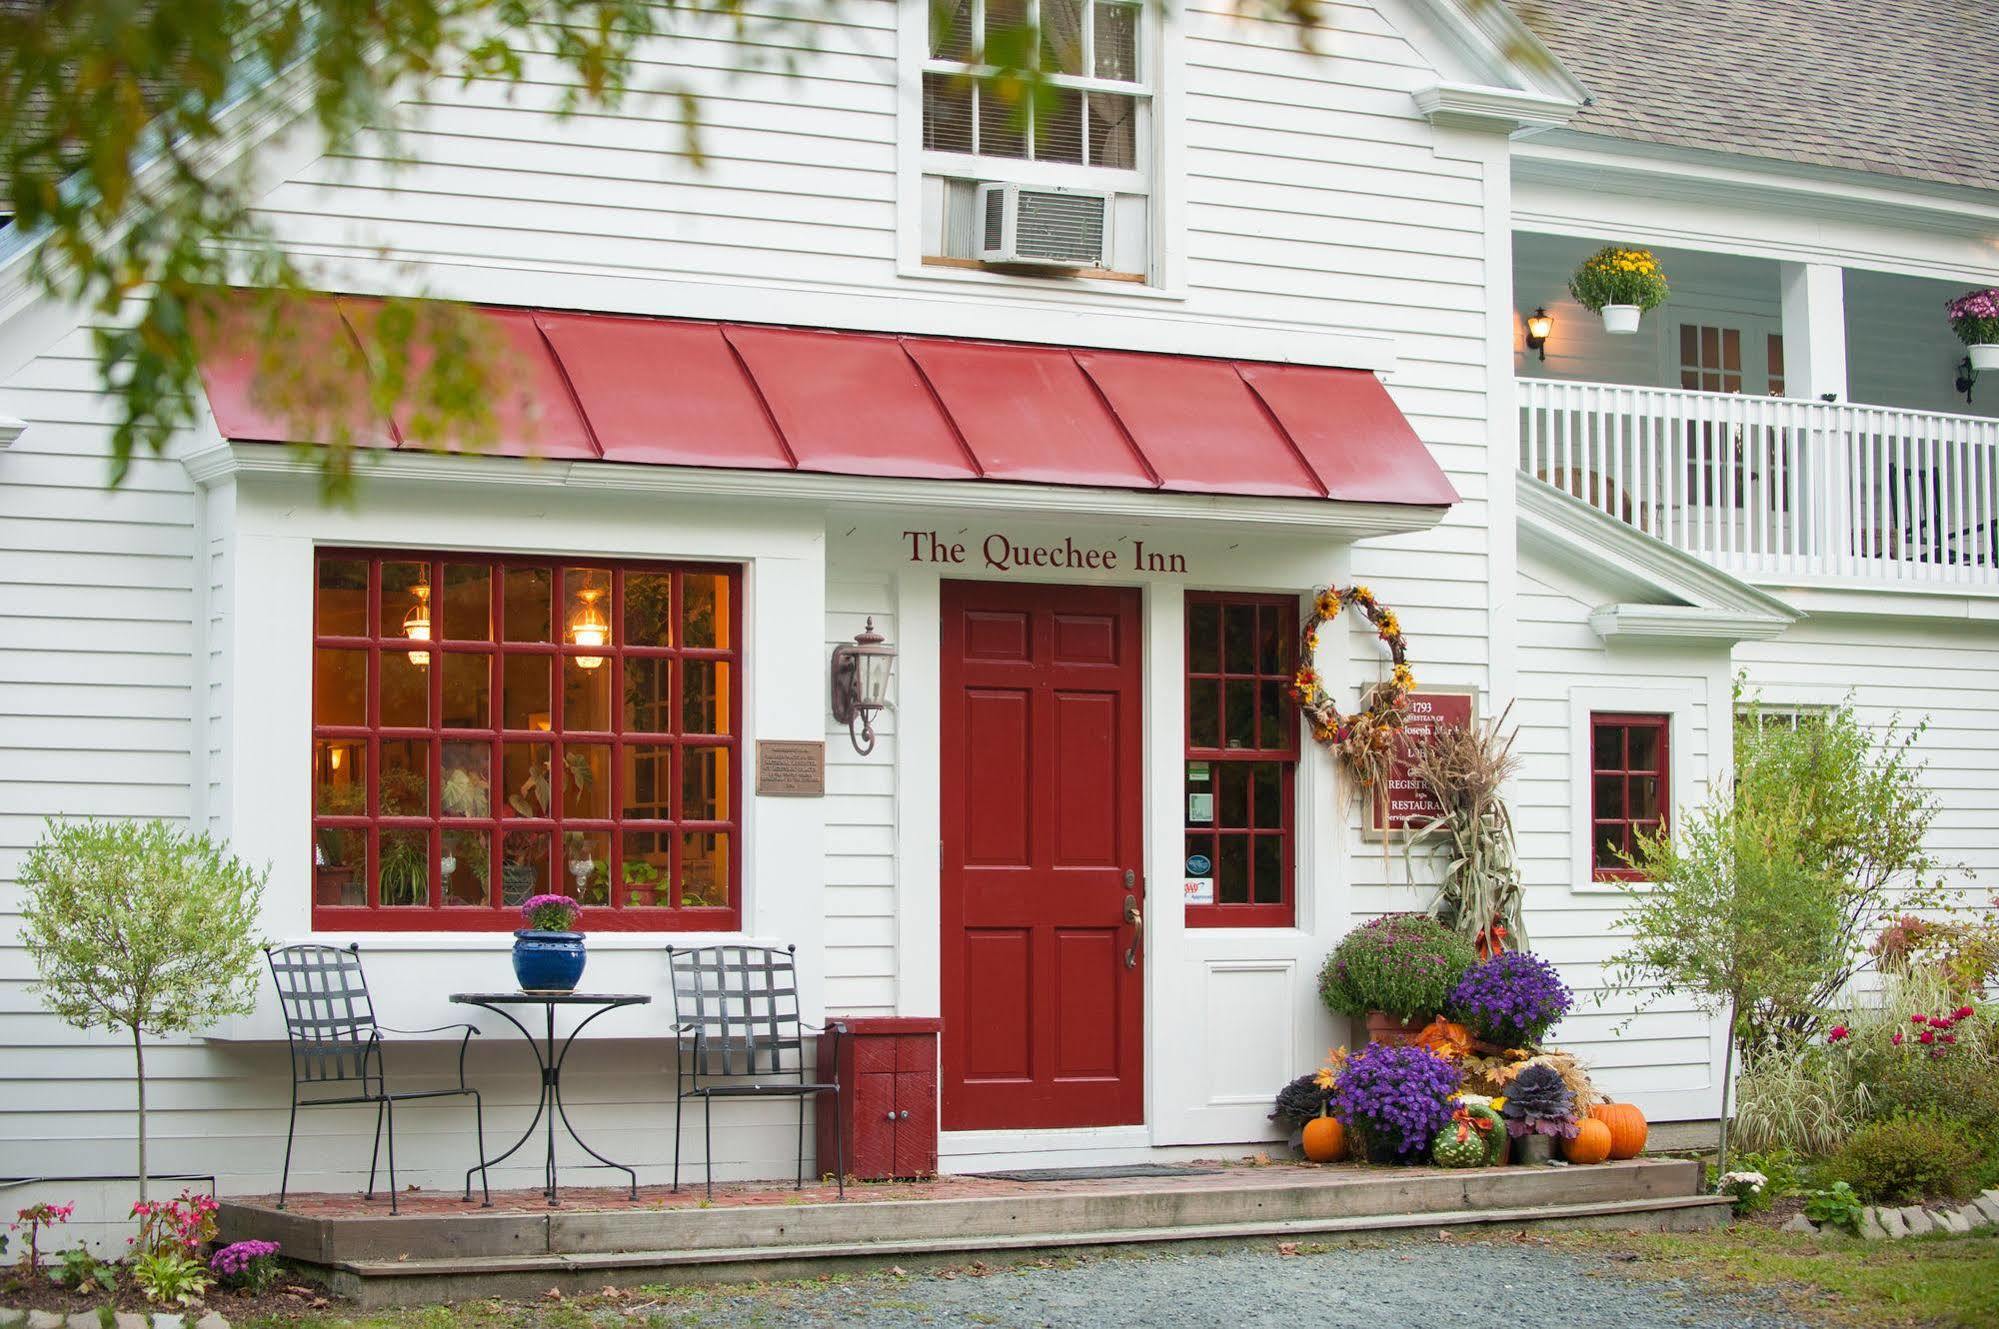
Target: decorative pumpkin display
1626,1122
1590,1143
1465,1140
1495,1135
1325,1140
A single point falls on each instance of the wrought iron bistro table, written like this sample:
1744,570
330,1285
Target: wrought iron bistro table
550,1062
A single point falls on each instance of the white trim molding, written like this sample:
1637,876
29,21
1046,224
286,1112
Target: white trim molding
11,431
1324,516
1499,110
1700,601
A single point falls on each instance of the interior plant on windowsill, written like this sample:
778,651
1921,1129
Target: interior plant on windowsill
548,952
1396,972
1620,284
1974,317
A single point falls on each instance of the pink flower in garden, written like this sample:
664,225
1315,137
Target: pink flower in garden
1896,1040
1839,1031
1961,1013
1950,1038
1927,1036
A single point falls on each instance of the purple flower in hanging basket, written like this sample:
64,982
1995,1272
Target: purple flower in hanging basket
1974,317
1399,1096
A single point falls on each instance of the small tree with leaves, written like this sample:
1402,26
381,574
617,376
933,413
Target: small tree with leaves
1734,912
140,928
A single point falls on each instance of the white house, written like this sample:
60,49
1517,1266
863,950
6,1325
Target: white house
782,396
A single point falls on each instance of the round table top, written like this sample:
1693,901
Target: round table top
518,997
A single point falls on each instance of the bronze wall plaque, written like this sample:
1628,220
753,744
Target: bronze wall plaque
791,768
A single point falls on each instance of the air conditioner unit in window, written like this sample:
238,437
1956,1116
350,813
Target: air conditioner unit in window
1030,226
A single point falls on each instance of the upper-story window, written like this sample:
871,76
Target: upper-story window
1091,51
1051,183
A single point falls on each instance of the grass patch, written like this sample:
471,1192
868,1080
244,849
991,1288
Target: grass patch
1929,1281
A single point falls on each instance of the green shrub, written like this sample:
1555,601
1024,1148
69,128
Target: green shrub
1901,1160
1403,964
1836,1207
1960,1086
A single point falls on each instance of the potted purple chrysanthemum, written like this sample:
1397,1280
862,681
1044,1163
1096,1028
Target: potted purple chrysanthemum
1394,972
1394,1100
1974,317
548,952
1512,999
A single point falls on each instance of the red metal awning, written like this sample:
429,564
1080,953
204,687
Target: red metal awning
680,392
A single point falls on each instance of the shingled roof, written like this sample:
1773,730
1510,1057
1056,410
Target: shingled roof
1893,87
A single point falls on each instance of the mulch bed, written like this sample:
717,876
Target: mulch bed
290,1298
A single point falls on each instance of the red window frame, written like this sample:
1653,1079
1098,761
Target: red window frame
1619,823
1272,740
616,913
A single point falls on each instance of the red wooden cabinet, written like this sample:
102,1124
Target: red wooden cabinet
888,1080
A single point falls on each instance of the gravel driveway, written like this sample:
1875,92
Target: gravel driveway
1427,1283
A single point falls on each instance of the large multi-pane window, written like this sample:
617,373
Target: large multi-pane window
1242,759
487,729
1092,54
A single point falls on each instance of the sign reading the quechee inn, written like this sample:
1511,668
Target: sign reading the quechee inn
1406,802
1002,553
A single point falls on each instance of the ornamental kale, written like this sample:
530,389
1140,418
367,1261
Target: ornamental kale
1974,317
1538,1103
1300,1101
1512,999
1397,1097
1402,964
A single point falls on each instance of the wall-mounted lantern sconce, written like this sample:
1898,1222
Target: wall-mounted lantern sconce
860,684
1967,374
1539,324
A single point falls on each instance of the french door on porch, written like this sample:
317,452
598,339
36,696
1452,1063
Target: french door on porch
1041,874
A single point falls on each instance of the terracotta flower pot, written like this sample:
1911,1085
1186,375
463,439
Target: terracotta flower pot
1385,1028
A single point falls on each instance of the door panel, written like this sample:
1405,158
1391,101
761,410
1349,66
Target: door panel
1042,821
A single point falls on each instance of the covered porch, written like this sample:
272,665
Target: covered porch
1785,421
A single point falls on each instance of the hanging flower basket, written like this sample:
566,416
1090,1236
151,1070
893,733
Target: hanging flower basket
1620,284
1974,317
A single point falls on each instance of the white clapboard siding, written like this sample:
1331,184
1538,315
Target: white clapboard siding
860,825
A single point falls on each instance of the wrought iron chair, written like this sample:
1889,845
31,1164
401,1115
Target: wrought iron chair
336,1044
735,1011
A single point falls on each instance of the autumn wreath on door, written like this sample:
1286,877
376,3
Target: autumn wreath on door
1365,739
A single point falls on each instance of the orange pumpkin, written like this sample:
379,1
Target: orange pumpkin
1325,1140
1627,1127
1590,1143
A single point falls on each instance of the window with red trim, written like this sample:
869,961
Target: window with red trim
1629,788
1242,760
486,729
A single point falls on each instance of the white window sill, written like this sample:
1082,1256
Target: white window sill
1102,286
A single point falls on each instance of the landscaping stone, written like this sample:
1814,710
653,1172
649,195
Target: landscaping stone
85,1320
212,1320
45,1320
9,1316
1799,1223
1950,1221
1973,1216
1988,1206
132,1320
1892,1220
1918,1220
1871,1228
168,1320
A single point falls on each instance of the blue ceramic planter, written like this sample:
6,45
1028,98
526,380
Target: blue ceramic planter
548,961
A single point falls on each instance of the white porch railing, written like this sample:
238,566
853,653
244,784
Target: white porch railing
1773,486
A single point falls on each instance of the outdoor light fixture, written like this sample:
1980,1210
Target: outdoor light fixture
589,628
416,623
1967,375
860,684
1539,324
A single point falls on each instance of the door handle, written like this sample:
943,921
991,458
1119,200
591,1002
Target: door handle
1135,920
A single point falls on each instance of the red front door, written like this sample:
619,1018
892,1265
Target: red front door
1042,820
